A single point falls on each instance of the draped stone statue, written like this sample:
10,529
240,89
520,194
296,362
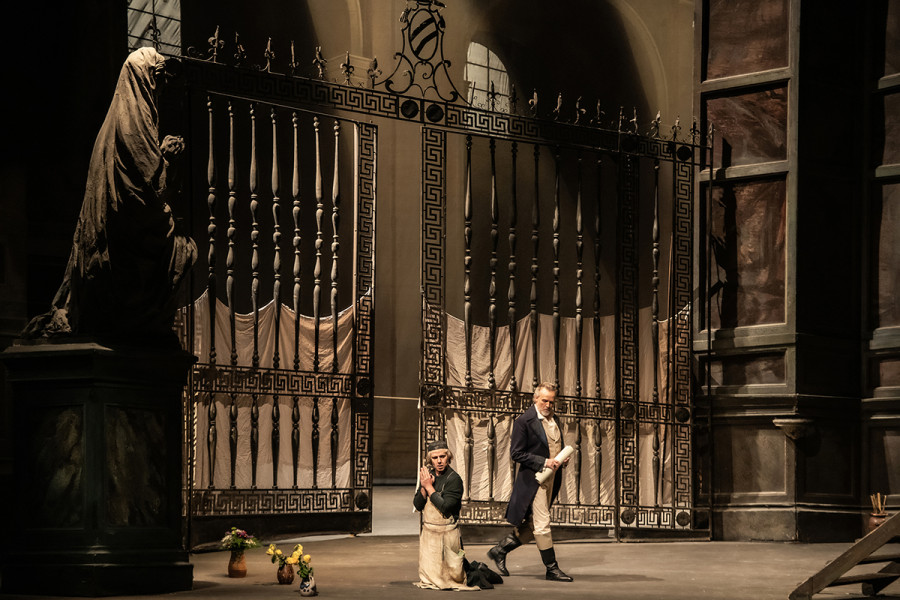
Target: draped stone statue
128,255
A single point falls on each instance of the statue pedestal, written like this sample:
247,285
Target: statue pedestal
97,463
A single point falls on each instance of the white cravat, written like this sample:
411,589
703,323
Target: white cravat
551,424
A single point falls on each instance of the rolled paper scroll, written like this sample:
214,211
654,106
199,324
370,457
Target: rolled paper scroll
547,472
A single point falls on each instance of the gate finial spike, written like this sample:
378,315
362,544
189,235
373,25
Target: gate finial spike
579,112
558,109
654,125
240,55
597,121
215,44
676,128
293,64
373,72
347,69
533,103
270,56
319,62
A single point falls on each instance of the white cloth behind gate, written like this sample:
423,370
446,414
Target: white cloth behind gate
595,434
266,345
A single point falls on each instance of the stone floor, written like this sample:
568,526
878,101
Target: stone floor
383,565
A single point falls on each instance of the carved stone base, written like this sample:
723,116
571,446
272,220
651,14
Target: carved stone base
97,466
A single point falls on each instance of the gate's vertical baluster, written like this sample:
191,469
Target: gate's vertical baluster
229,290
598,452
317,294
577,460
295,213
276,295
492,288
211,433
598,391
579,253
654,328
335,251
254,296
535,243
511,292
556,269
491,456
467,454
467,289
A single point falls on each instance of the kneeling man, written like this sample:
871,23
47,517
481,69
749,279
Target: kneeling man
439,497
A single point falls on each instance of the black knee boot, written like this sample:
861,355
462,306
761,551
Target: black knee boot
498,553
554,573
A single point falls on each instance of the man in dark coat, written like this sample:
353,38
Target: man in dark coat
536,439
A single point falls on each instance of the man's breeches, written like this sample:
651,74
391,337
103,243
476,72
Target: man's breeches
537,526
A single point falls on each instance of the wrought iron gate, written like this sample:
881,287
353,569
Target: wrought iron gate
279,420
611,208
632,434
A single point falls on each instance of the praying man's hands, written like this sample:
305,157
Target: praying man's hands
427,481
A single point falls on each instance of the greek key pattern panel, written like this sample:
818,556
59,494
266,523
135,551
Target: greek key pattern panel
628,329
362,451
224,379
434,426
507,402
214,503
656,518
294,91
683,496
474,512
365,247
682,277
434,149
649,412
291,91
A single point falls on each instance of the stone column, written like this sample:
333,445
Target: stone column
97,463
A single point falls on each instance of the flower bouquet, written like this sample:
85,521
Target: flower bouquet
238,540
285,562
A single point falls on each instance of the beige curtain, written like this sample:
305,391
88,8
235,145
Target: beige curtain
594,489
266,345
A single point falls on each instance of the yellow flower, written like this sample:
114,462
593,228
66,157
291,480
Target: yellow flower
295,554
278,552
292,560
271,550
307,558
298,549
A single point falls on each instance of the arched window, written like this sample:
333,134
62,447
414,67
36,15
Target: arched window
167,15
482,69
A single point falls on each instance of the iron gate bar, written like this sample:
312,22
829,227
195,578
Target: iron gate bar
511,290
276,293
254,295
229,288
295,213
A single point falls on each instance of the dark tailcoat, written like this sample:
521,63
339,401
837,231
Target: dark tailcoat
529,448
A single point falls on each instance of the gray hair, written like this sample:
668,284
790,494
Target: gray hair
546,386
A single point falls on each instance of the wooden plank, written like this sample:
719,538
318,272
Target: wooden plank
849,559
876,558
863,578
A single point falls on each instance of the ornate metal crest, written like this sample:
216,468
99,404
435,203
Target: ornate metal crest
421,63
